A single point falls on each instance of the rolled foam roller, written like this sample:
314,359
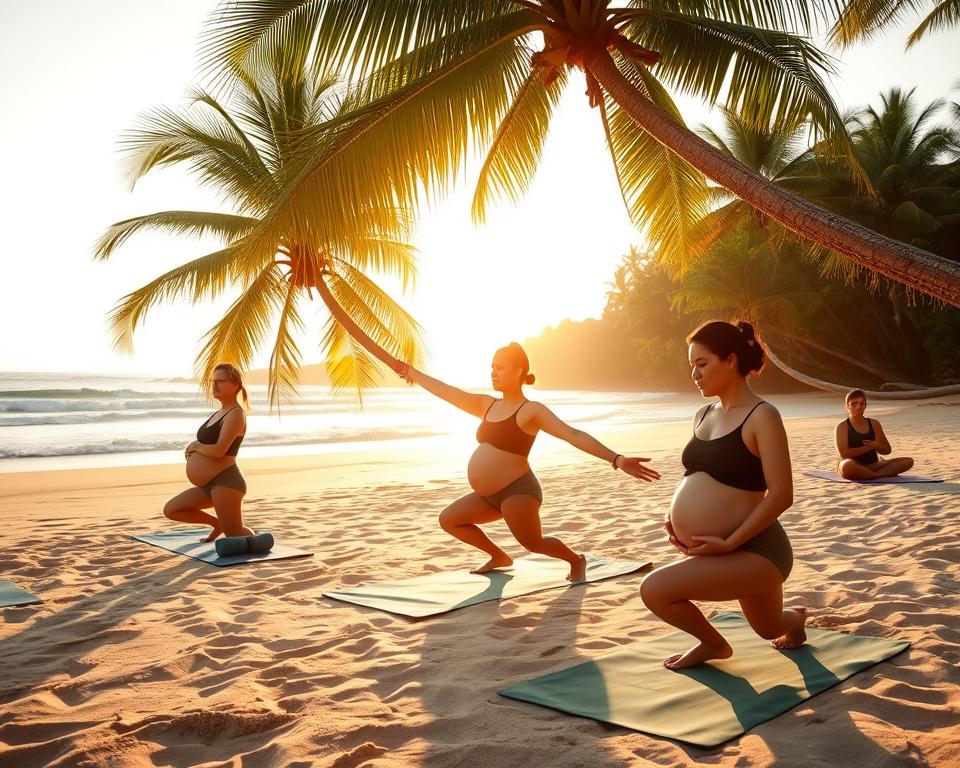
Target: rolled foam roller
260,542
232,545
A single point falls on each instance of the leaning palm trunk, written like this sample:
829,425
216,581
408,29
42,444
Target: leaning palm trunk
827,386
352,328
931,274
833,353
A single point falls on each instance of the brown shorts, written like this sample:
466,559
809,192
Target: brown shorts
773,544
229,478
526,485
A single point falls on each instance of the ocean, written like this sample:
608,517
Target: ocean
63,420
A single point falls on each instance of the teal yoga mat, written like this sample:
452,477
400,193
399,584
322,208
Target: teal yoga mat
188,543
712,703
12,595
436,593
898,480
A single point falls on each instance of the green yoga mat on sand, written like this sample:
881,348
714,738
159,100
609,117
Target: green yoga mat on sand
712,703
445,591
190,544
12,595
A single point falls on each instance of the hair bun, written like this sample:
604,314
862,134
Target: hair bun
747,330
530,378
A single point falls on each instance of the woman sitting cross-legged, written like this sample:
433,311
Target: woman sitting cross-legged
860,440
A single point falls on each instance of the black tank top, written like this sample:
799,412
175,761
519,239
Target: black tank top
209,434
505,434
855,440
726,459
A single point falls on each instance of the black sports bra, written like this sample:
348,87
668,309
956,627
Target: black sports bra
209,434
505,434
726,459
855,440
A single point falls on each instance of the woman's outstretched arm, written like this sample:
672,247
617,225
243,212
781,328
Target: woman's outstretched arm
474,404
543,418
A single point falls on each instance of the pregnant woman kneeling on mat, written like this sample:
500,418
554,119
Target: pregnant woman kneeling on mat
737,482
503,484
212,464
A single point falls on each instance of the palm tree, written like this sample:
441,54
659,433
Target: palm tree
781,154
241,148
900,151
737,278
862,19
911,165
448,73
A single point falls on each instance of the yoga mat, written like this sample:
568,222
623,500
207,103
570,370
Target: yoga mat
897,480
446,591
11,595
712,703
188,542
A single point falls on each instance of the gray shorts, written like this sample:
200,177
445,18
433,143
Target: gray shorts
229,478
773,544
526,485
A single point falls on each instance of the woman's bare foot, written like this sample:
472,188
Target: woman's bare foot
214,533
578,570
698,655
497,561
796,635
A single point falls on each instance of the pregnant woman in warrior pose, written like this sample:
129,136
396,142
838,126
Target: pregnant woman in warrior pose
503,484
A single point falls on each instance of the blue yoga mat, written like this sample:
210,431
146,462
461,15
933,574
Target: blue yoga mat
834,477
11,595
712,703
188,543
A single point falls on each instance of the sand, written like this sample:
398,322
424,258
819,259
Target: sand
139,658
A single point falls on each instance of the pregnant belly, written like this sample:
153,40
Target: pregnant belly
202,469
702,506
490,469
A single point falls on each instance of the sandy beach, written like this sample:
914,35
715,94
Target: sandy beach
138,657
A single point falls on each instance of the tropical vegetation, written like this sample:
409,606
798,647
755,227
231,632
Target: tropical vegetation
444,76
834,323
241,147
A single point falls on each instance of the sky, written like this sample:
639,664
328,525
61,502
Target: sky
76,75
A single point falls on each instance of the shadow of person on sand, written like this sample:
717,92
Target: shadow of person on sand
520,639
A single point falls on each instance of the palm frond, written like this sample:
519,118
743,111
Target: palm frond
211,147
378,315
353,38
203,278
383,255
387,155
795,15
860,20
348,365
195,223
286,359
515,151
776,76
664,195
243,329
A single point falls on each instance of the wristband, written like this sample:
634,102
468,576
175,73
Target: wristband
614,462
